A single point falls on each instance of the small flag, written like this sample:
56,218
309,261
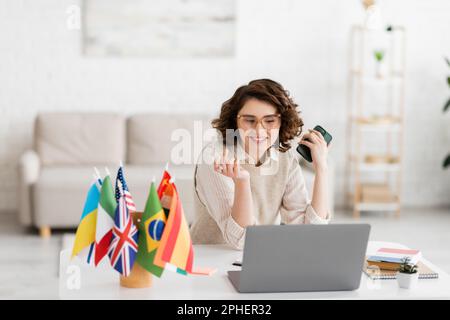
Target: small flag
128,198
164,196
165,193
175,245
175,250
150,232
154,219
105,220
164,183
124,247
85,235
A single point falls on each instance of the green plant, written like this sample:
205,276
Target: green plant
379,55
407,267
446,162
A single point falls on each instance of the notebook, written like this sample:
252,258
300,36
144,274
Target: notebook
395,256
375,273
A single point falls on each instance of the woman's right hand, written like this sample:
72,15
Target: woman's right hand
230,167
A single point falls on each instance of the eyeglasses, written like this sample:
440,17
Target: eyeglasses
272,121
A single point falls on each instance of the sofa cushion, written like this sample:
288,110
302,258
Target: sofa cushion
150,136
80,138
60,192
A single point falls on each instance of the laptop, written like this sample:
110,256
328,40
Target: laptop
294,258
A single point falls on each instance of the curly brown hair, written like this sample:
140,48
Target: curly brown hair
268,91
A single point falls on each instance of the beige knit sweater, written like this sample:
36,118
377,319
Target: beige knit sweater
278,190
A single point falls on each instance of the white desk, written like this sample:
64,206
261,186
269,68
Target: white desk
103,282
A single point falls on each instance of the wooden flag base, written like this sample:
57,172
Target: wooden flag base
138,278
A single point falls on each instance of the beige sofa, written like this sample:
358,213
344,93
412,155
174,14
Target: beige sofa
55,175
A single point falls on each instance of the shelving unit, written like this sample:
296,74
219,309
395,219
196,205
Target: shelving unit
375,129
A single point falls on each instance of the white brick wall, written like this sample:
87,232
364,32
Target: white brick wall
302,44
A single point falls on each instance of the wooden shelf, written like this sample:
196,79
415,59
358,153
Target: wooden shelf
381,159
377,197
378,121
376,193
367,166
367,206
383,167
363,80
380,127
369,77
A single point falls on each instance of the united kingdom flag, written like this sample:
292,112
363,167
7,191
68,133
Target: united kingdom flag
123,248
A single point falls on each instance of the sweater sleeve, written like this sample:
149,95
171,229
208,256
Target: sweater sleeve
216,192
296,206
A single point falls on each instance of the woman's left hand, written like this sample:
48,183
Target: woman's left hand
318,147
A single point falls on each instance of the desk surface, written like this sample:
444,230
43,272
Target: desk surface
103,282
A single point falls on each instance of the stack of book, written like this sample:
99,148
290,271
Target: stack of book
385,263
390,259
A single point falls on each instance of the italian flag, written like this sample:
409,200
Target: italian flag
105,220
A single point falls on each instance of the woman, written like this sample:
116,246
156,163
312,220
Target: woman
256,178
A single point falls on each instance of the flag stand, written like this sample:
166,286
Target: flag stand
138,277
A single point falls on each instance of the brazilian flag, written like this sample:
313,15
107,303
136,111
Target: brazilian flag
151,228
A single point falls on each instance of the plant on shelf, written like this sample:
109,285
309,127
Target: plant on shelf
408,274
379,56
446,107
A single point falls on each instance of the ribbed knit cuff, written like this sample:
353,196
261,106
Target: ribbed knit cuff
314,218
235,233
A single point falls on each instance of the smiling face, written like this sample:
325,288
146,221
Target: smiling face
263,114
258,123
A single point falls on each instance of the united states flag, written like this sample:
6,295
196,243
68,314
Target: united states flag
123,248
128,198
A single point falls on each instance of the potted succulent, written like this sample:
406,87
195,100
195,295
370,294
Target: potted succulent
379,56
408,274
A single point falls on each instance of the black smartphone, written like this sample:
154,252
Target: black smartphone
305,151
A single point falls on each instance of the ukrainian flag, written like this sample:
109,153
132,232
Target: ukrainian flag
85,235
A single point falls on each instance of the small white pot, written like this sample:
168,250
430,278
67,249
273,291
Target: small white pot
379,69
407,280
